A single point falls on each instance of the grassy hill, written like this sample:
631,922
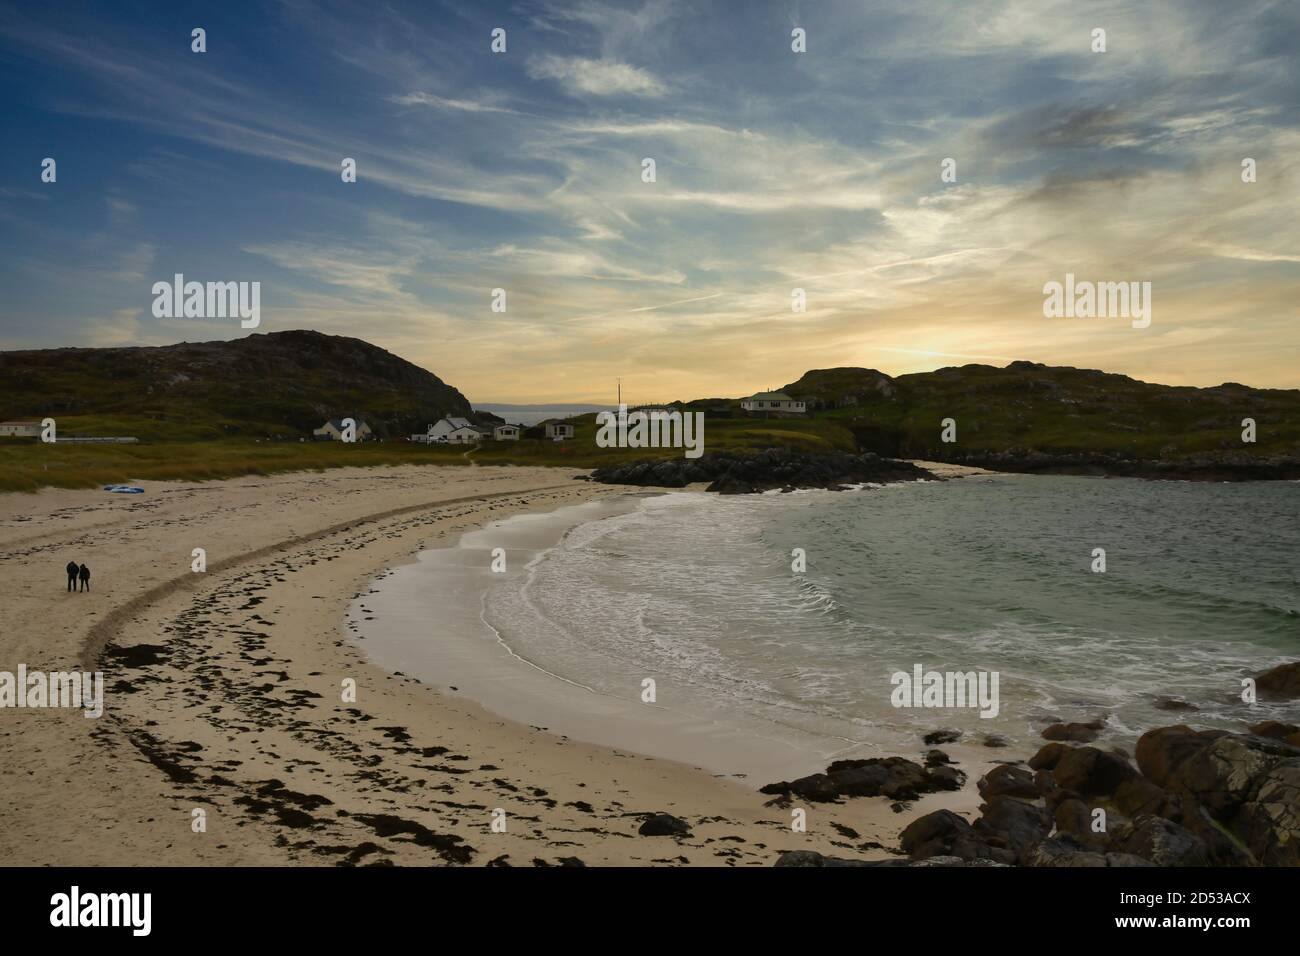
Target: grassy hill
1026,408
280,385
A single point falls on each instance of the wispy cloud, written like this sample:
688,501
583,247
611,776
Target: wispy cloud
580,75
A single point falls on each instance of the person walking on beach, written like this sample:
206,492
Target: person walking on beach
72,575
84,574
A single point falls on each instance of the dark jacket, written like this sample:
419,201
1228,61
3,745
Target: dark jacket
85,573
72,569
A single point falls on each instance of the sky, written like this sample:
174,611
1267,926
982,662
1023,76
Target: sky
775,170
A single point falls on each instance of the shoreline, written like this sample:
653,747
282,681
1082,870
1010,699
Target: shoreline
426,617
223,696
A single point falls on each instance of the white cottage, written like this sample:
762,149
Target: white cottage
464,435
778,403
558,431
443,427
505,433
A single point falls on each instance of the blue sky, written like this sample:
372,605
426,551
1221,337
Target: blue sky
775,170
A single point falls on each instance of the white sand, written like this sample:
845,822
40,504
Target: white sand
241,714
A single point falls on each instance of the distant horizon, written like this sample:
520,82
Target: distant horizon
632,399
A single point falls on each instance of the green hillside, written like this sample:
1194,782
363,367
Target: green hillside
1028,408
280,384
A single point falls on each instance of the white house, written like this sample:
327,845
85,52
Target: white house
463,435
505,433
20,429
332,430
773,402
558,431
443,427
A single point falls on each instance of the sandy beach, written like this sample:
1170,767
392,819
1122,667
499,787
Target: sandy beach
223,693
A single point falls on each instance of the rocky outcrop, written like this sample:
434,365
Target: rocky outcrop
894,777
1063,851
1208,798
1194,799
1281,681
735,474
1247,785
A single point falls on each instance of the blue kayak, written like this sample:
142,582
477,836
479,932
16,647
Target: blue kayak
124,489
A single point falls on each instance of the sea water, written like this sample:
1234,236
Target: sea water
696,593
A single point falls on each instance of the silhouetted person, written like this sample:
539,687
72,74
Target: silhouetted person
84,574
72,570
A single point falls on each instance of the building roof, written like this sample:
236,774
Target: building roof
36,423
770,397
338,423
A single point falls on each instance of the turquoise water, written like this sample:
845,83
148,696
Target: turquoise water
696,591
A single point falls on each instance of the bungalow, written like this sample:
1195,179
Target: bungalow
505,433
773,403
443,427
463,435
558,431
332,430
20,429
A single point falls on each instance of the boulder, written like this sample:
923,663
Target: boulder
1229,770
944,833
947,778
664,824
1065,852
941,737
1009,781
1012,824
1062,851
1074,818
1080,733
1161,751
1281,681
1047,756
810,858
817,787
1044,783
1139,795
1091,772
1278,731
1161,841
936,758
1270,823
895,777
